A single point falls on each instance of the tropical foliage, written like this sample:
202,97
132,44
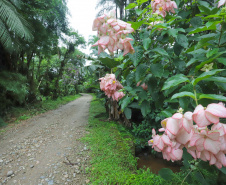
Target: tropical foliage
179,60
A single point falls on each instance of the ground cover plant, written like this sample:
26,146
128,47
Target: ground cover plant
112,152
173,73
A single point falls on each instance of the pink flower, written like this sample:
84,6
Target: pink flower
118,95
111,31
143,85
110,86
204,117
206,140
162,6
221,2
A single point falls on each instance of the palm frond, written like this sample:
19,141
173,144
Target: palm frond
5,38
14,24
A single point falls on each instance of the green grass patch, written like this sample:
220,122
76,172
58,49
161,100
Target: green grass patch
17,114
112,152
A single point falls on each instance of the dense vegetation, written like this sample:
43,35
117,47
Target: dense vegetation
39,55
173,61
176,65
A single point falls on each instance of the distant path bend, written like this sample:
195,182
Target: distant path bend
46,148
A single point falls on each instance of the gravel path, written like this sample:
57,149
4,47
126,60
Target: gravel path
45,149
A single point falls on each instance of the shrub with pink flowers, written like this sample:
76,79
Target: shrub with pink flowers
178,57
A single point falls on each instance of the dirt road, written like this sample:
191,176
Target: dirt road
46,148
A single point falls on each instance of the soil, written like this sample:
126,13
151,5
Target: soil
47,149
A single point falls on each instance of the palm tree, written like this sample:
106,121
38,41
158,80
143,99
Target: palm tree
12,25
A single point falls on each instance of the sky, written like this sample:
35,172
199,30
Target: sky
83,13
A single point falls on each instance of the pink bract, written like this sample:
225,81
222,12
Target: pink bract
112,34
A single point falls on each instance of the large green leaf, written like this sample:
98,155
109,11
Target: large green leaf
160,51
222,60
213,97
193,60
109,62
131,5
136,25
175,80
146,43
128,112
183,94
136,57
216,79
209,60
206,75
196,22
166,173
145,107
157,70
182,40
140,71
125,102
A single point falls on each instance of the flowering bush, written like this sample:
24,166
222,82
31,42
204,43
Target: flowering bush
112,34
111,87
206,140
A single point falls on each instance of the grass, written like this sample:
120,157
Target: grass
112,152
17,114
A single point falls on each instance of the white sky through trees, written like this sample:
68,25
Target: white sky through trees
83,13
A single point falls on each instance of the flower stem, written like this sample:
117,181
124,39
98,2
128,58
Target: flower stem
196,100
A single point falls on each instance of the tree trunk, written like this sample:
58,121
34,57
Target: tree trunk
62,64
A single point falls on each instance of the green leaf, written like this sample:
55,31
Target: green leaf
174,80
182,40
223,39
173,32
166,173
136,25
109,62
125,102
141,1
146,43
192,61
136,57
128,112
205,9
212,52
205,28
206,75
157,70
140,71
203,42
145,108
134,105
139,11
216,79
166,113
183,94
223,169
222,60
196,22
209,60
131,5
213,97
160,51
177,49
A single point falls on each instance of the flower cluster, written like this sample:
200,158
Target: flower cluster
112,34
206,140
221,2
110,86
162,6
